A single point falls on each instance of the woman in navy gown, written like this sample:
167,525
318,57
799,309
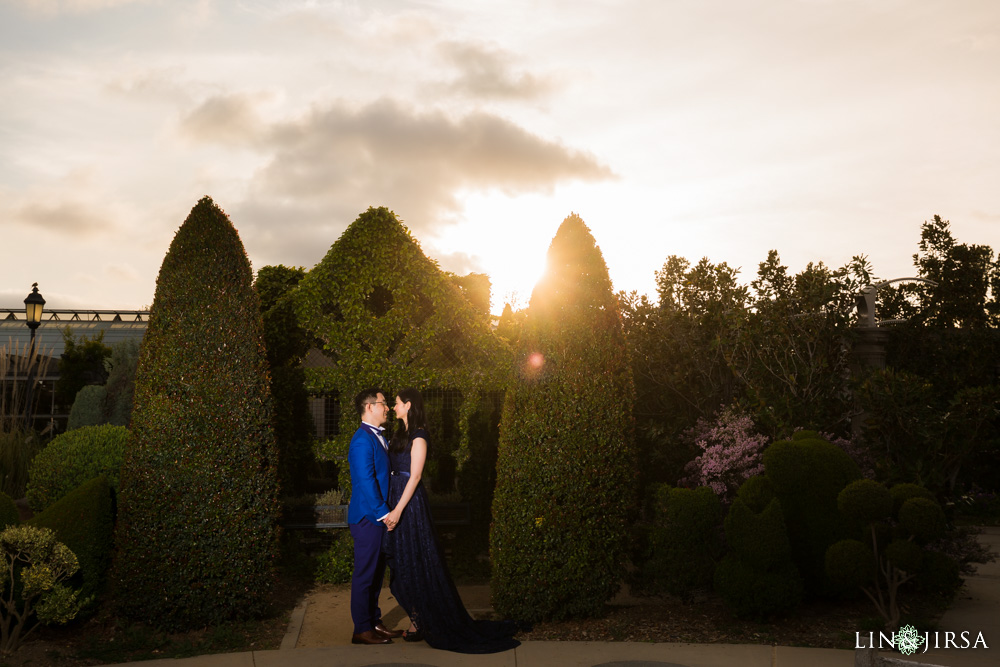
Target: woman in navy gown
419,579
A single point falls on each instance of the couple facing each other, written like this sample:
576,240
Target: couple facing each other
390,521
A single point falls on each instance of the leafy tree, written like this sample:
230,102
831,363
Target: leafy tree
196,535
677,357
566,463
964,275
121,368
37,565
791,352
81,364
477,288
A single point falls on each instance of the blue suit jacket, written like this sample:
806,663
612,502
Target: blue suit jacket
369,463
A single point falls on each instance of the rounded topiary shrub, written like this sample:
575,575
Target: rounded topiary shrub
902,492
9,515
938,573
807,474
84,521
905,555
684,541
757,577
865,501
754,593
922,518
850,564
756,493
196,534
74,457
566,472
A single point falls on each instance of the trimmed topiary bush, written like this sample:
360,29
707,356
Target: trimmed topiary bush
756,493
757,577
902,492
922,518
850,564
9,516
84,521
88,407
684,542
566,470
807,473
865,501
196,534
74,457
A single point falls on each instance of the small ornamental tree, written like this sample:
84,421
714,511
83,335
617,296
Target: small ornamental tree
896,527
731,452
196,534
566,469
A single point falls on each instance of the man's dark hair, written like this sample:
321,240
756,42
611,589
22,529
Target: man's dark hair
369,395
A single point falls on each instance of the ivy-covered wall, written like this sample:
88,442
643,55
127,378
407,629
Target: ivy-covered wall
387,315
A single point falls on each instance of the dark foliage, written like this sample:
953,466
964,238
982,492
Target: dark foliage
287,344
9,515
196,535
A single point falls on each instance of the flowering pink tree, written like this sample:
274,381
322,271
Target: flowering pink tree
731,453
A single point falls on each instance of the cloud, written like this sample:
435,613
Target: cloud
63,217
57,7
225,119
485,72
157,84
326,167
75,204
459,263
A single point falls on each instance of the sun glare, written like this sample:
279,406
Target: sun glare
509,238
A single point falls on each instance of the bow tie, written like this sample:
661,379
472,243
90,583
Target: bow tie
377,430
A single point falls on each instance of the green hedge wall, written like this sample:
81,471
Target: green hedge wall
566,472
196,535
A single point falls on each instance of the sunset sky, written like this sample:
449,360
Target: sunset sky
820,128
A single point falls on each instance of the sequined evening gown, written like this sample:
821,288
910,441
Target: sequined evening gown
420,580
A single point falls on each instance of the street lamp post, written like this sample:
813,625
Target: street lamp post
34,304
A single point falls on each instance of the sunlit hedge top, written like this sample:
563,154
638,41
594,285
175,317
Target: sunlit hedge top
388,316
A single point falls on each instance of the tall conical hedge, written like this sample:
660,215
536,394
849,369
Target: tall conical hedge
566,464
196,524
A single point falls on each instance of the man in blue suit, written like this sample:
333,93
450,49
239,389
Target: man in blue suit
367,516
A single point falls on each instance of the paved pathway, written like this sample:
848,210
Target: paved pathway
975,610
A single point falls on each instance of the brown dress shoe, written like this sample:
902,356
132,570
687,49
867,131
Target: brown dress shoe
386,632
369,637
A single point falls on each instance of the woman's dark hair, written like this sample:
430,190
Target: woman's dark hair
415,418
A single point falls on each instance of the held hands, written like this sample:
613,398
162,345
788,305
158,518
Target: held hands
392,519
